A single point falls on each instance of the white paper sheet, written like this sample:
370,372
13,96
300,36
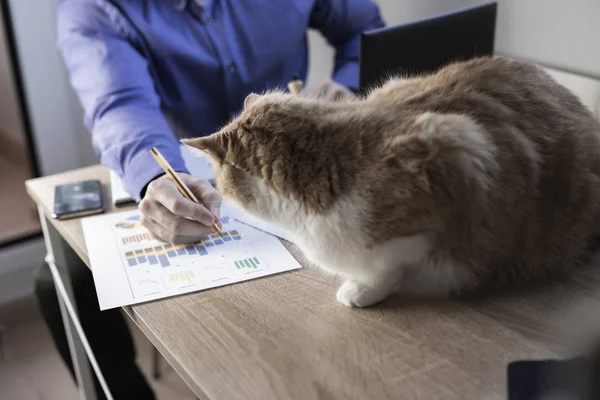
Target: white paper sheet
129,267
229,208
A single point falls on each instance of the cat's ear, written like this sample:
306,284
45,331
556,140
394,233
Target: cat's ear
214,145
251,98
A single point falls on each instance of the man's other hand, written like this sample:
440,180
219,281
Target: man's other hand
330,90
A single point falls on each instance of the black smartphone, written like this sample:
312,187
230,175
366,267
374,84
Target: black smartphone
78,199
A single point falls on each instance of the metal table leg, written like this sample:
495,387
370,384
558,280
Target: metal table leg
60,254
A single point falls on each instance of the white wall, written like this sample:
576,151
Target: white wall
63,142
558,33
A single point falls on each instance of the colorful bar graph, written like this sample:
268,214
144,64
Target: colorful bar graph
151,257
130,258
137,238
225,220
190,249
170,251
140,256
162,257
185,276
216,239
201,250
164,253
250,263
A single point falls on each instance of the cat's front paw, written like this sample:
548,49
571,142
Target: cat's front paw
354,294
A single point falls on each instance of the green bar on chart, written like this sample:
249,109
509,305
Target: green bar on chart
252,263
256,261
247,264
237,265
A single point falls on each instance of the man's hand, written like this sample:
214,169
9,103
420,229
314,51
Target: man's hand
172,218
332,91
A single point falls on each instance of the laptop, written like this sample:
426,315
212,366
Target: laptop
425,46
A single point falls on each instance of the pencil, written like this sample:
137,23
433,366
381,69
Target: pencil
182,187
295,86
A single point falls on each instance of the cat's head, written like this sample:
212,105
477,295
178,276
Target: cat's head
283,155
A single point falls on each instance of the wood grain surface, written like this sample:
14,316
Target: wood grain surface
285,336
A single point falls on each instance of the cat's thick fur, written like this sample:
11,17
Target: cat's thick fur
485,172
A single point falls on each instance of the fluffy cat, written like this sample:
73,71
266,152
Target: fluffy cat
485,172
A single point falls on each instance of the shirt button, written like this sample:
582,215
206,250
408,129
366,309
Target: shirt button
231,67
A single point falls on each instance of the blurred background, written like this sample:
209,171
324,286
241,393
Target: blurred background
41,128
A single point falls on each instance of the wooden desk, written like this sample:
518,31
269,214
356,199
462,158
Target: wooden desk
285,336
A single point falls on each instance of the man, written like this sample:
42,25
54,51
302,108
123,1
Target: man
148,72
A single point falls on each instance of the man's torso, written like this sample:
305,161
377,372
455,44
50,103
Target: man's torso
205,59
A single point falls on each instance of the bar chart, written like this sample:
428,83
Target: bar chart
139,238
164,254
184,276
134,267
249,263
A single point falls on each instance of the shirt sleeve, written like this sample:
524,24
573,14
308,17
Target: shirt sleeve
114,85
342,22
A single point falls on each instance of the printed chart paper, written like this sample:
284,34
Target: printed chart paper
231,209
130,267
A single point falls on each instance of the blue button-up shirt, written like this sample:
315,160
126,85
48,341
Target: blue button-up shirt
150,71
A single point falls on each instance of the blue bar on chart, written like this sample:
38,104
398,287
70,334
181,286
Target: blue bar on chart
180,250
170,250
216,239
207,242
162,257
130,258
151,257
235,235
201,250
225,220
226,236
140,256
190,249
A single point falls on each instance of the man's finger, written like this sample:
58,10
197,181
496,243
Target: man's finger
175,225
207,194
172,200
153,227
